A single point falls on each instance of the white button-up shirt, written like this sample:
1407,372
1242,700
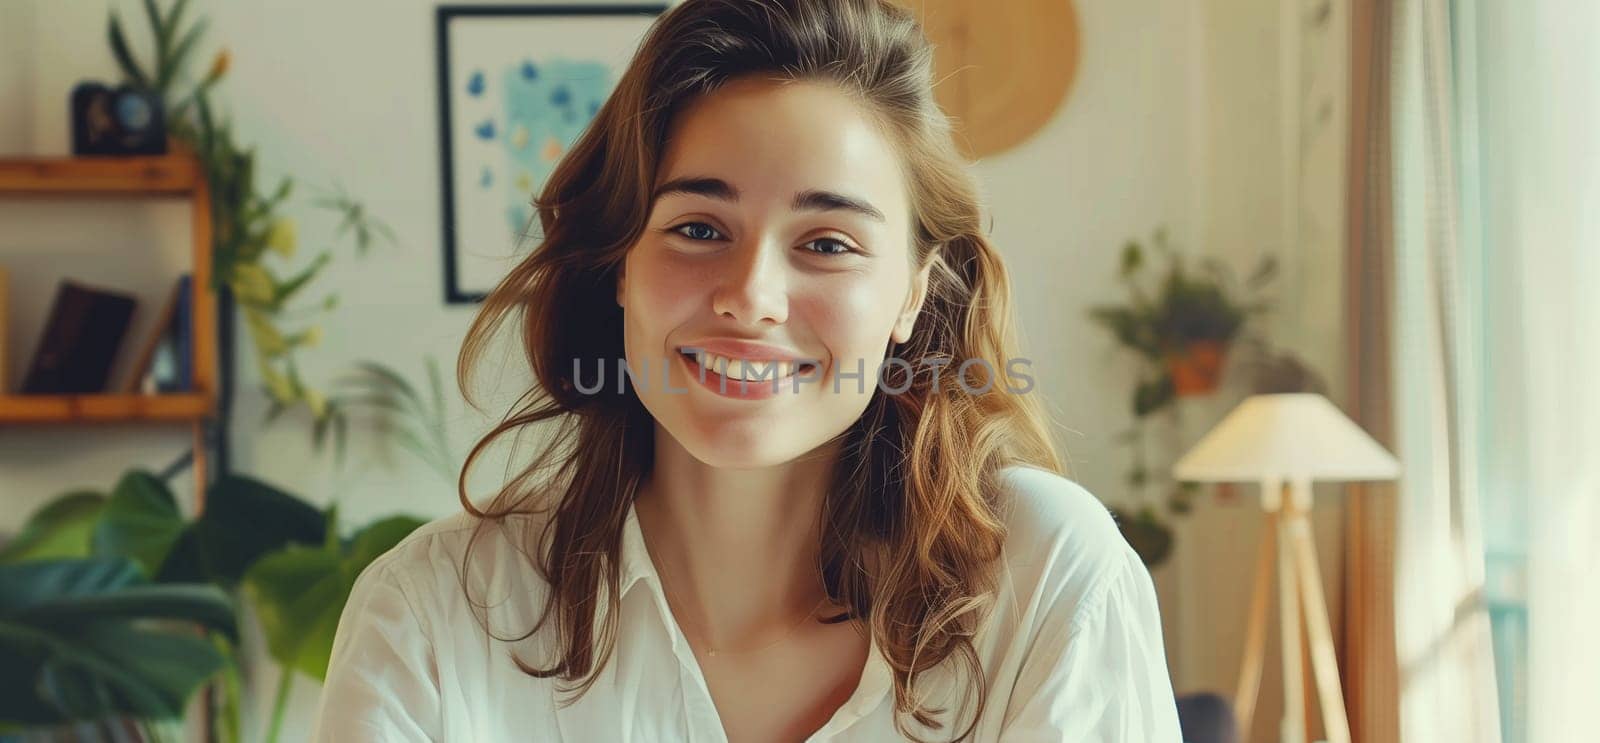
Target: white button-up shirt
1072,650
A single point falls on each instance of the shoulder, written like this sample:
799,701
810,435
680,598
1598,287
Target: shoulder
412,561
1076,627
1062,543
454,536
1049,516
449,564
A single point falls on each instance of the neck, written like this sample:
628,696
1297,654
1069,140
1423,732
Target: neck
736,548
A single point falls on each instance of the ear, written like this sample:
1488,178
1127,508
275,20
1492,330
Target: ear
621,286
913,306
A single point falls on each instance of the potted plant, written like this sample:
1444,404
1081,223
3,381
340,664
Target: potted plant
89,566
90,648
256,258
1180,324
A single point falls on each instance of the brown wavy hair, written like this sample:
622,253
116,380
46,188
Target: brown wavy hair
912,526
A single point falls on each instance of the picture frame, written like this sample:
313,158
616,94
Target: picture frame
517,85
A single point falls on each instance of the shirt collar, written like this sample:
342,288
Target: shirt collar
635,559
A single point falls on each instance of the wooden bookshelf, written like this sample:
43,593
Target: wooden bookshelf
165,175
176,175
177,407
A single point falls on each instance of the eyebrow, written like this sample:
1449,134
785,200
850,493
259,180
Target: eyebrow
814,200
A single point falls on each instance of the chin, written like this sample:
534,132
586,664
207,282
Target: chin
733,447
752,438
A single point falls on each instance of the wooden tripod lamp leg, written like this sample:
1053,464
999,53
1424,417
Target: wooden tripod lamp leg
1255,634
1294,696
1323,661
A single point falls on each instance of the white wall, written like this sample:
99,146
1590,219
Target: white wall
1174,119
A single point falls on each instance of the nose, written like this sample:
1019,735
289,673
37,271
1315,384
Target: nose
752,290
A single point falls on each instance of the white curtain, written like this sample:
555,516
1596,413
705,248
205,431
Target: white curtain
1442,629
1540,103
1497,194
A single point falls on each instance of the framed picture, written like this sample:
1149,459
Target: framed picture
517,86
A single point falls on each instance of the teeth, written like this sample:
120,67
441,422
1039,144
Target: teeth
750,370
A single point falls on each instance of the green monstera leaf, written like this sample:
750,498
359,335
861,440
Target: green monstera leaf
63,528
299,592
141,521
92,638
247,518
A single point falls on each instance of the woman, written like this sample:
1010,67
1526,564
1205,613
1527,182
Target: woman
754,535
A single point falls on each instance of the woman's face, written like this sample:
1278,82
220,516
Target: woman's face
780,234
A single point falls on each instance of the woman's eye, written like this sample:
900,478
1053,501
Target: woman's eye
698,231
829,246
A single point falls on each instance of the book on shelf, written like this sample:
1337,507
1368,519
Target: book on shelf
85,329
164,361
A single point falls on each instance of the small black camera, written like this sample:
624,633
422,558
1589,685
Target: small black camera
117,121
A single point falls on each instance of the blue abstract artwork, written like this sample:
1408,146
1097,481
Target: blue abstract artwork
518,87
544,107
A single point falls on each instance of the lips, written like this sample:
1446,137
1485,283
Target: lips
748,369
738,358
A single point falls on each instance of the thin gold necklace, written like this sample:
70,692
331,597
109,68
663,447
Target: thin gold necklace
715,653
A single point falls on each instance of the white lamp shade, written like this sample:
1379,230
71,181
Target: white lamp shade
1297,436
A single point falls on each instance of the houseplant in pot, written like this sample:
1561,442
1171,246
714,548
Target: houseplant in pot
88,571
1181,322
1182,316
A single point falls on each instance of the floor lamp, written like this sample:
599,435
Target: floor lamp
1277,440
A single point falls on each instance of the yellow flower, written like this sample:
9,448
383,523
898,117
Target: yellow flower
281,239
219,66
252,284
268,339
318,403
277,384
312,335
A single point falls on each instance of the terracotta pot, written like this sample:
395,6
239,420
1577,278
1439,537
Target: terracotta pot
1197,370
